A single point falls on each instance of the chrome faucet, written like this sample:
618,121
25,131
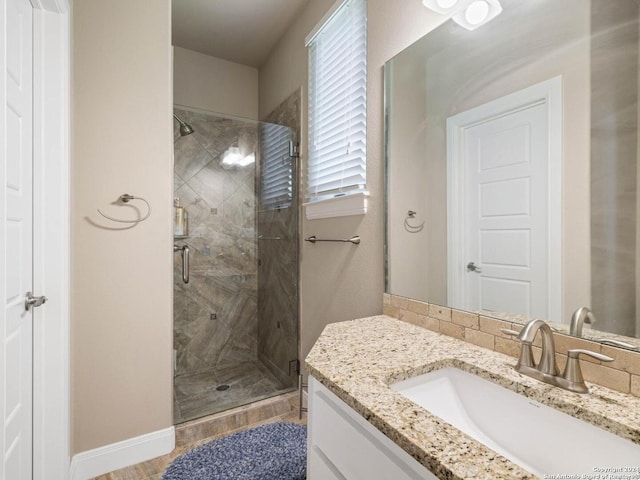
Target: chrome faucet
581,316
547,369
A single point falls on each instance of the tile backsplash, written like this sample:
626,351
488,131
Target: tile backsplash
623,374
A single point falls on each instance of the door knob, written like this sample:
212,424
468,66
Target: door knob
471,267
30,301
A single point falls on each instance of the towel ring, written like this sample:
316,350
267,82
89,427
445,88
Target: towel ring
125,198
412,228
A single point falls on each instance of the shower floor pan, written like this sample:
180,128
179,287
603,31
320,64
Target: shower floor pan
203,393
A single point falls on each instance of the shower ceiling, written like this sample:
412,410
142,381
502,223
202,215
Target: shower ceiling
241,31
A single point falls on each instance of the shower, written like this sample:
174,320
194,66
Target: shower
236,321
185,128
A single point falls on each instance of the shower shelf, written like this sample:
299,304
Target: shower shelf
180,237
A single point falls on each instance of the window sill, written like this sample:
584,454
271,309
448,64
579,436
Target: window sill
354,204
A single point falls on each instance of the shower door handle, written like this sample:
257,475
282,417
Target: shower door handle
185,264
184,251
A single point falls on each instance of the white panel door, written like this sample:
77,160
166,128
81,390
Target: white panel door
506,173
504,204
17,323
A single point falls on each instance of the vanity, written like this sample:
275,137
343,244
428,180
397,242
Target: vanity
360,427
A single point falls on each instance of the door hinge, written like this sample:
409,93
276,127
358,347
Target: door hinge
294,149
294,364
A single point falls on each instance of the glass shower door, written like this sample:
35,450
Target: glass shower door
236,321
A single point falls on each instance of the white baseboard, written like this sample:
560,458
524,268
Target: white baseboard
118,455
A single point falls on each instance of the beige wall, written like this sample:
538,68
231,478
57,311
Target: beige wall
121,347
213,84
341,282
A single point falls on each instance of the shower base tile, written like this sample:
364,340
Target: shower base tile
286,405
196,394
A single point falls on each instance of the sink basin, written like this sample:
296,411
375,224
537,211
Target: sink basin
540,439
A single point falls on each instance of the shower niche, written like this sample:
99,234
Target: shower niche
236,320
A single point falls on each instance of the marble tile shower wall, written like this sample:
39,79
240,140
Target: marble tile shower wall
278,271
215,315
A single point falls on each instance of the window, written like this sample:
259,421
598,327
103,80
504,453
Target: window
337,104
277,174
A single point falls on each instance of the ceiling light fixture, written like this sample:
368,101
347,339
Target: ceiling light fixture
469,14
477,13
445,7
233,157
248,160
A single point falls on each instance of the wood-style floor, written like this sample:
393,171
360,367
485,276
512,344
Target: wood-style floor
191,434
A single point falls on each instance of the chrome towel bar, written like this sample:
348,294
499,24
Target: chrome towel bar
355,239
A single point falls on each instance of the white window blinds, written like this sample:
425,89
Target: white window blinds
276,166
337,104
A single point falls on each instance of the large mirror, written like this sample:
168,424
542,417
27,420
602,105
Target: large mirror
512,165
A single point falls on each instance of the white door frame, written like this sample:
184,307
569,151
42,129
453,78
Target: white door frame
548,92
51,386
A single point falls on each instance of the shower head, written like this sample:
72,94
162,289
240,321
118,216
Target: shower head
185,128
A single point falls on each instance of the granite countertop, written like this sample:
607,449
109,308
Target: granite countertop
358,359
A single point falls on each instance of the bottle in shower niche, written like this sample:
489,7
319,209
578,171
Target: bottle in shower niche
178,223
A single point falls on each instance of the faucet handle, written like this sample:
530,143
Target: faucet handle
526,353
507,331
513,333
573,372
598,356
616,343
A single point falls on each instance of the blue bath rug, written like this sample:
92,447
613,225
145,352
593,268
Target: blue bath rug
277,451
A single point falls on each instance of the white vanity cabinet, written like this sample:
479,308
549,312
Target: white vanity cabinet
342,445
